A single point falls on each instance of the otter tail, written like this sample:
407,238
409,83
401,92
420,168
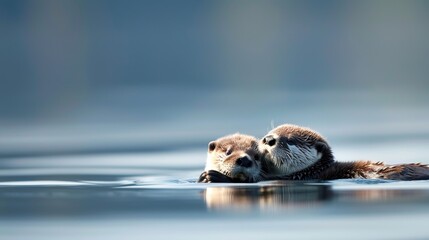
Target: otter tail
412,171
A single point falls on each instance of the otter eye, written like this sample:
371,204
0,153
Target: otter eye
228,151
257,157
212,146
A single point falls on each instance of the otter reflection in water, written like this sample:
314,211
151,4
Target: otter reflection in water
266,197
286,196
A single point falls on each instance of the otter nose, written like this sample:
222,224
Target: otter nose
244,162
270,140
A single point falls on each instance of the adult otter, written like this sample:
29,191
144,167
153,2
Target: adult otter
233,158
298,153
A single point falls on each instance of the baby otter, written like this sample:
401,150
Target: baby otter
298,153
233,158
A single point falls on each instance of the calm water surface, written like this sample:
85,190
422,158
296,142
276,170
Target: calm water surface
107,106
154,196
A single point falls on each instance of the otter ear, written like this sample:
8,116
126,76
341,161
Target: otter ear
212,146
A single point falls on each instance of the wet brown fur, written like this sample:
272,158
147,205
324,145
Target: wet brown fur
379,170
235,143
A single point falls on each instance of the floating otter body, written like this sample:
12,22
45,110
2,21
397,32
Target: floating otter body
291,152
297,153
233,158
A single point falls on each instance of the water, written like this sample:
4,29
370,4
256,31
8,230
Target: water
124,179
107,107
155,196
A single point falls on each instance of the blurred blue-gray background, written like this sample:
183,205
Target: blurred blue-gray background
94,76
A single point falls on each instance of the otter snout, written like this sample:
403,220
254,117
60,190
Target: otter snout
244,162
269,140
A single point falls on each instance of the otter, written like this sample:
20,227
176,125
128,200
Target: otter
233,158
292,152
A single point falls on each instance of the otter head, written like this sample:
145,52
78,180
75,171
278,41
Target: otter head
235,156
289,149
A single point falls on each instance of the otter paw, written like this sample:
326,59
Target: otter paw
203,178
214,177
